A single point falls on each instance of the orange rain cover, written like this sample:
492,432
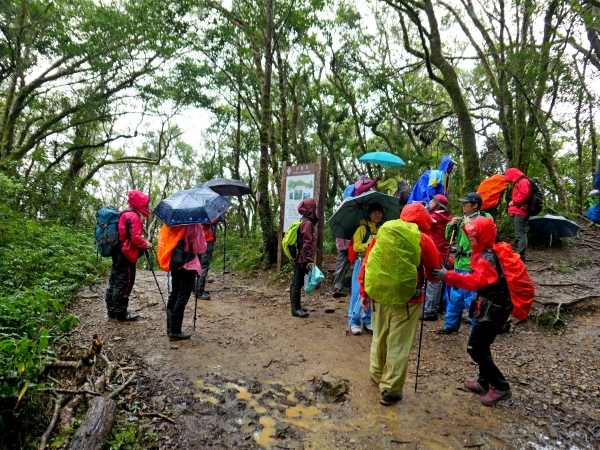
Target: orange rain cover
491,189
168,237
520,286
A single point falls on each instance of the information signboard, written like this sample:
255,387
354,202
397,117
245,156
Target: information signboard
299,185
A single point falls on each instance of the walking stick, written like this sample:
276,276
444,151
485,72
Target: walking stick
152,270
420,338
224,246
196,304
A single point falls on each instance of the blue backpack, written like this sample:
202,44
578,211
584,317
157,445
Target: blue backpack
106,232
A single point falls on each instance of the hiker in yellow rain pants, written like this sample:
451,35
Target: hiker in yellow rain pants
392,277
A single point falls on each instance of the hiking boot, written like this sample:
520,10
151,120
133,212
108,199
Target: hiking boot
296,307
355,329
204,296
474,386
429,318
368,328
493,396
446,330
210,280
127,317
388,400
339,294
179,336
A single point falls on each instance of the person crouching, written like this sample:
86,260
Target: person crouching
489,309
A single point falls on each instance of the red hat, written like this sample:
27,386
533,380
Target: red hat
440,200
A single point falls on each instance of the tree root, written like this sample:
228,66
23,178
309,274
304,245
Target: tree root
570,302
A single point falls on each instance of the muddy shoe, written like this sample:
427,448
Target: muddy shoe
127,317
355,330
446,331
368,328
474,386
493,396
179,336
204,296
388,400
429,318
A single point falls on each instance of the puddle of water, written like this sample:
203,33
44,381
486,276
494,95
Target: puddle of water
243,394
291,397
272,404
243,421
206,398
264,437
305,412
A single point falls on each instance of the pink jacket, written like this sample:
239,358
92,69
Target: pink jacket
131,226
194,242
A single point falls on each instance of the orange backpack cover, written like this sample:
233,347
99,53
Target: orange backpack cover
520,286
168,237
491,189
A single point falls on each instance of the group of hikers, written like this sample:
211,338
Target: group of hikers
184,251
404,278
407,276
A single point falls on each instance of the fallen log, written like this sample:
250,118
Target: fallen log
96,426
86,360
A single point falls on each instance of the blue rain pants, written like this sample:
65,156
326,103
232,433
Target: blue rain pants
354,317
458,301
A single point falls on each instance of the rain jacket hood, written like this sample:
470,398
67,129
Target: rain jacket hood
308,209
416,213
446,161
139,201
513,175
483,230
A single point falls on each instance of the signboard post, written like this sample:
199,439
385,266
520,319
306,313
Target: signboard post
299,183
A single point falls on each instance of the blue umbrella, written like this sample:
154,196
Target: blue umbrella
197,205
555,226
384,159
346,219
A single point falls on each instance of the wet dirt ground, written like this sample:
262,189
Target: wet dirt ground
250,375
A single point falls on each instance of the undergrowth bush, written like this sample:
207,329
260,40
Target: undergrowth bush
40,267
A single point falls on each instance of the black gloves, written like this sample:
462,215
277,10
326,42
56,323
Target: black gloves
439,274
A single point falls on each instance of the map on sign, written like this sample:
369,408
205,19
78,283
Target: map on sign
299,185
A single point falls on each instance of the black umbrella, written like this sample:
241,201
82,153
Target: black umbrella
191,206
226,186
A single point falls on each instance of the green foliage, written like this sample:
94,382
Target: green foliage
242,252
40,267
131,435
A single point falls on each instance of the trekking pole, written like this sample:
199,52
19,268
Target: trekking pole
420,336
155,279
224,246
196,304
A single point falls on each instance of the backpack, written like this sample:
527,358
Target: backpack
170,248
106,233
491,190
536,199
391,270
520,286
289,243
348,192
352,255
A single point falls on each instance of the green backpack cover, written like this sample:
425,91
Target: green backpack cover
290,240
391,270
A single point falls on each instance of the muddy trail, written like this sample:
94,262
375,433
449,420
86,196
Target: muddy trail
252,375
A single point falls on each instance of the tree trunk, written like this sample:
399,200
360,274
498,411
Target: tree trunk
264,205
579,152
472,168
97,425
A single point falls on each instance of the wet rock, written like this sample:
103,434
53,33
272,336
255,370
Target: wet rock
330,307
475,440
334,388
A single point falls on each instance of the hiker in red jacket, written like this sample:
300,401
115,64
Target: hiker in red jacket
518,207
489,309
122,274
307,245
438,208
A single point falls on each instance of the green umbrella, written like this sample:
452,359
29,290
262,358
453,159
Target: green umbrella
346,219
